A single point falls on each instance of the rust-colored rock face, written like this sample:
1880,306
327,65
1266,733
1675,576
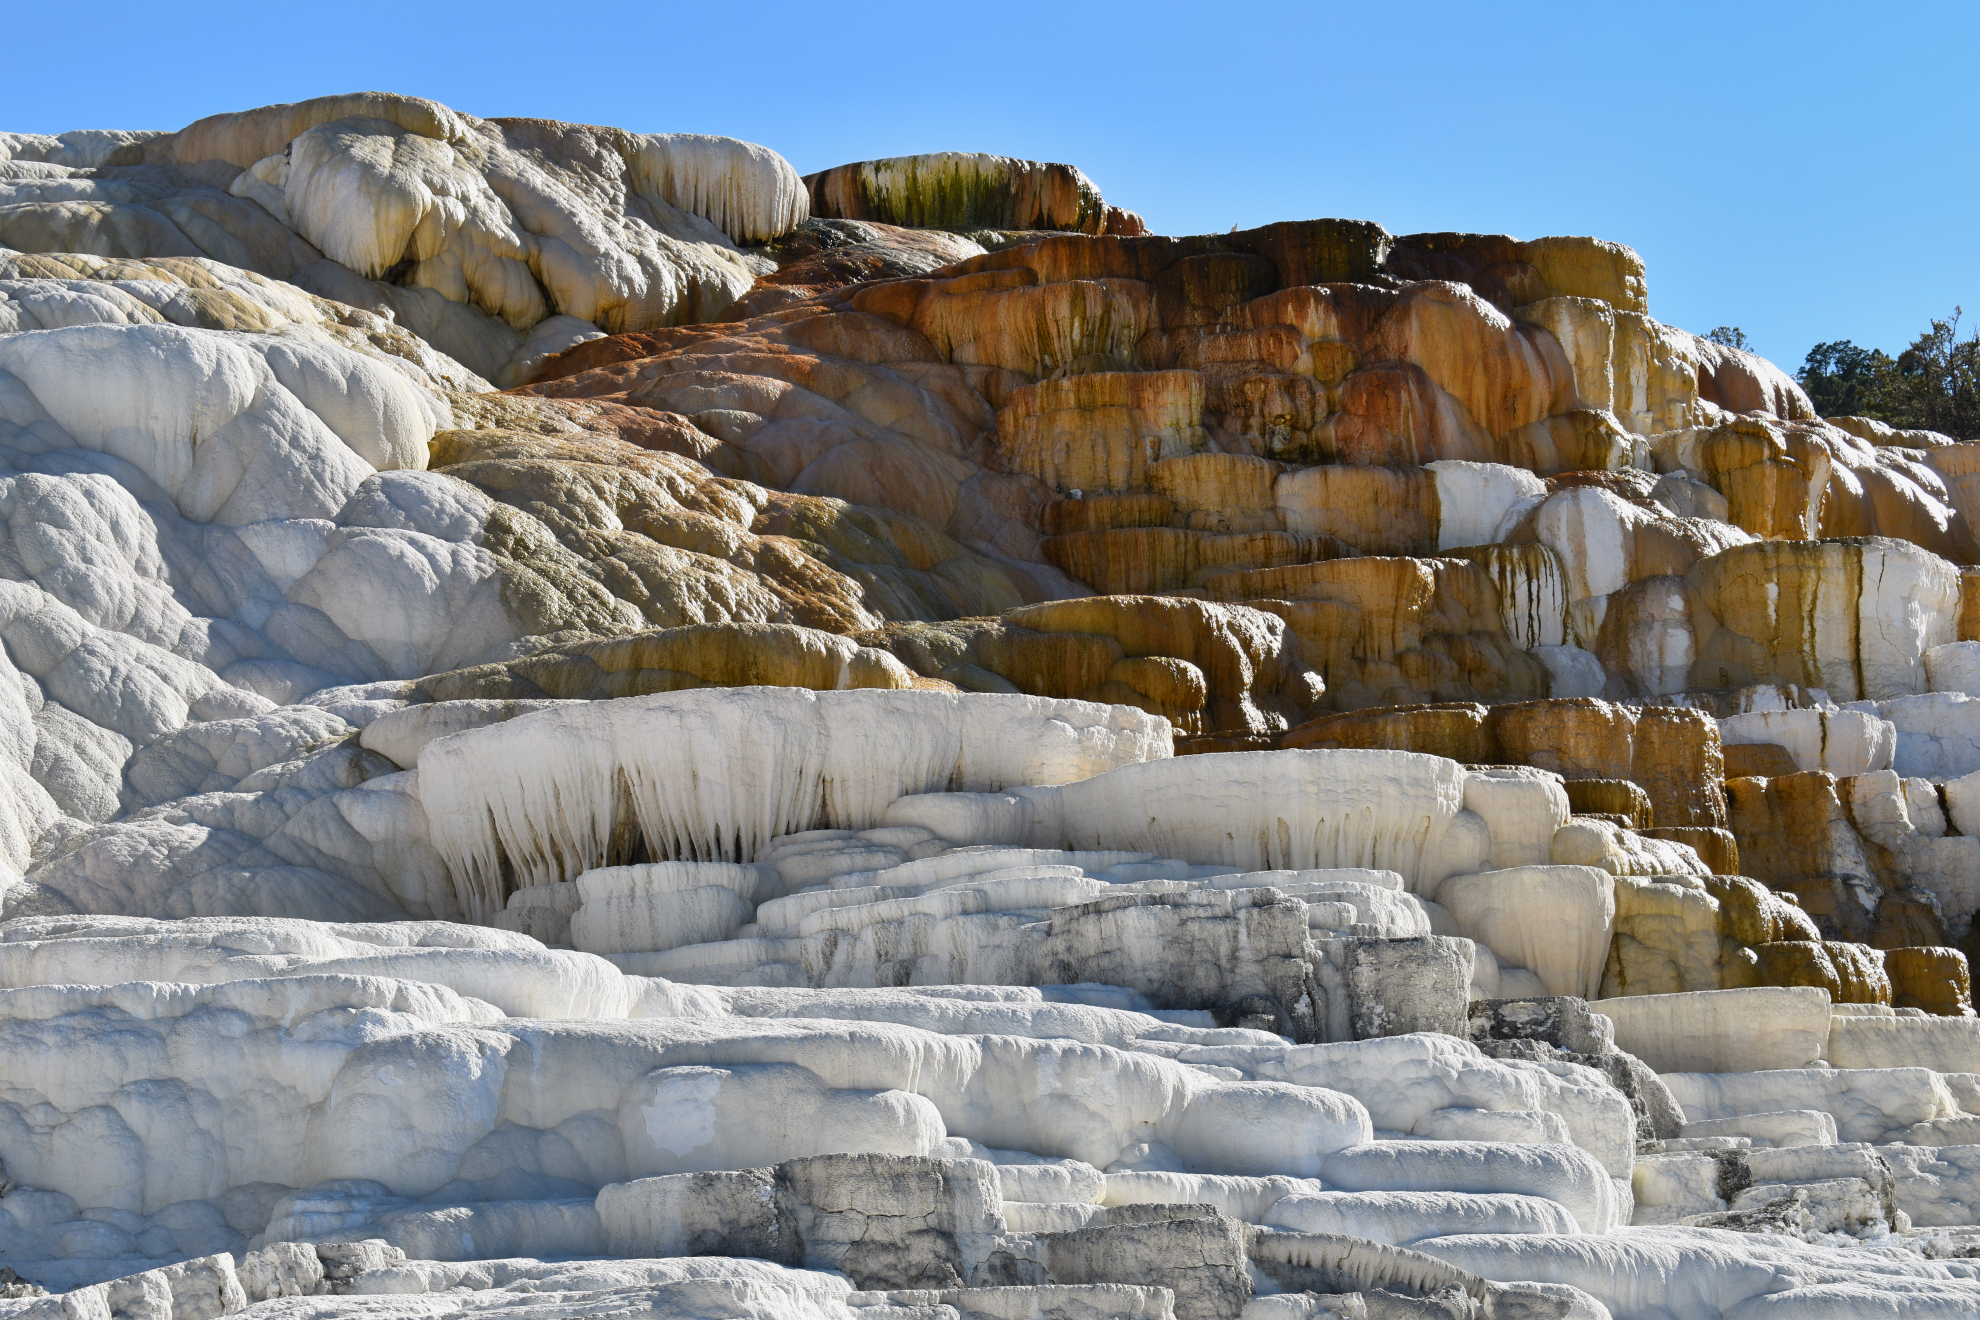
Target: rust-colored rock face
1933,980
1758,761
1851,973
1453,729
1793,827
1102,431
1303,418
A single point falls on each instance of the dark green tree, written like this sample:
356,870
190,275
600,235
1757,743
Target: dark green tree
1939,380
1934,384
1729,335
1844,380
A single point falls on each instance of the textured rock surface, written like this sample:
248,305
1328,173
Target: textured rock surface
588,723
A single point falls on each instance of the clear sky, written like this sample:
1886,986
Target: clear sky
1806,172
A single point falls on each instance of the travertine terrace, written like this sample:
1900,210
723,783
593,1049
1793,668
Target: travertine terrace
592,727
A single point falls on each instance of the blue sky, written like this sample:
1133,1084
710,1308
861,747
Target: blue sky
1806,172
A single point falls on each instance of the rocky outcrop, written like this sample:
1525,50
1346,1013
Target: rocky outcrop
475,234
967,191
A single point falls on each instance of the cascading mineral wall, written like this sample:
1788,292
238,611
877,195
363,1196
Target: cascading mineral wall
584,714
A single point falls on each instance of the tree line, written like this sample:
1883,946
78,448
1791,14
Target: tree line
1934,384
